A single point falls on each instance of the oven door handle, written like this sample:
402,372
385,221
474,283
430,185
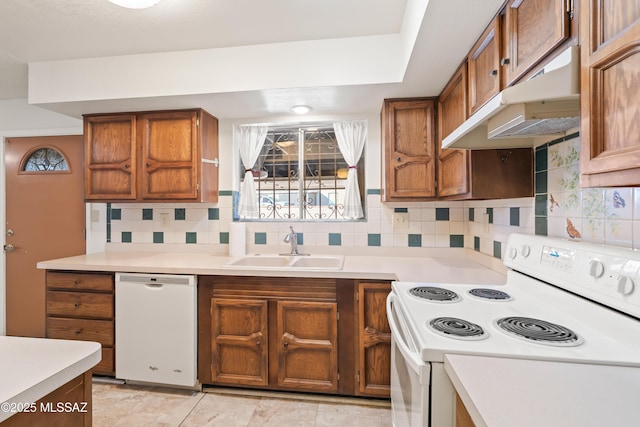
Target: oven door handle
397,323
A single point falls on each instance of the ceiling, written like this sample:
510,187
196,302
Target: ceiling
65,31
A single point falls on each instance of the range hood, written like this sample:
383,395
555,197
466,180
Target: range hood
547,104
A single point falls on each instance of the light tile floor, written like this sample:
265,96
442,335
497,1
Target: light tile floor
133,405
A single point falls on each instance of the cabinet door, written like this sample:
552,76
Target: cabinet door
308,345
409,149
453,165
170,153
110,157
374,350
609,93
240,342
534,28
484,67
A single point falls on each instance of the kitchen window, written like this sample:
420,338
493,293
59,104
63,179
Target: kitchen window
45,159
301,174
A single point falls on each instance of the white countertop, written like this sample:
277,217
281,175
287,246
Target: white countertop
501,392
459,266
31,368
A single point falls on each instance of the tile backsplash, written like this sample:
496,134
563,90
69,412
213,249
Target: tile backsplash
559,208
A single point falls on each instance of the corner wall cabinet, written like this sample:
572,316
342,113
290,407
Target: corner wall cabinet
80,306
609,93
151,156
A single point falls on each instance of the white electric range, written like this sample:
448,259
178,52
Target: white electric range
562,301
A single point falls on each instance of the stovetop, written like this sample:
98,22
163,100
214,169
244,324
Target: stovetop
602,335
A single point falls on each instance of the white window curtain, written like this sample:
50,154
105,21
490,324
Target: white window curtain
249,139
351,136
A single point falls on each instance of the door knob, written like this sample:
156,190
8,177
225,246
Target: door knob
9,247
9,232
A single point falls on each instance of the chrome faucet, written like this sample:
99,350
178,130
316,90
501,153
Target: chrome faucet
293,239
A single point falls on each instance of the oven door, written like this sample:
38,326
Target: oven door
410,376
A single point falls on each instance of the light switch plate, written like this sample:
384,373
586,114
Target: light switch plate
400,220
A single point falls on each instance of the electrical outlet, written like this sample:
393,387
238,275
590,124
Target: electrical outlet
400,220
164,218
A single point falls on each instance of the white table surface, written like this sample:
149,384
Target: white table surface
31,368
500,392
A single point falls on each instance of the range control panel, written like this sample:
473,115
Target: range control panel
606,274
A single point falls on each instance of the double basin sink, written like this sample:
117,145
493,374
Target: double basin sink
287,262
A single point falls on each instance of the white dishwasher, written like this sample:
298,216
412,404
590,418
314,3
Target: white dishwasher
156,328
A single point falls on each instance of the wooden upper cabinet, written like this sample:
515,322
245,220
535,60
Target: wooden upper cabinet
533,29
110,157
152,156
484,67
609,93
453,165
408,154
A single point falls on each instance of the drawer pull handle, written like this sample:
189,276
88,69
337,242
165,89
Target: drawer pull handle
78,331
76,282
76,305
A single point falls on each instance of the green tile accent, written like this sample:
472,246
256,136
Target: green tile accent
415,240
541,182
456,241
191,237
158,237
225,193
442,214
514,216
108,232
224,237
335,239
542,159
373,191
116,214
472,214
260,239
497,249
400,210
490,213
147,214
214,213
374,240
541,205
541,226
476,243
180,214
126,237
300,238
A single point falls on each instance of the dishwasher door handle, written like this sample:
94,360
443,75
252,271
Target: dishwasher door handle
154,285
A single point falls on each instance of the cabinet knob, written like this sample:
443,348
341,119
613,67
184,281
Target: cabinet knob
285,344
493,73
76,305
398,159
76,282
126,166
505,61
78,331
148,165
258,343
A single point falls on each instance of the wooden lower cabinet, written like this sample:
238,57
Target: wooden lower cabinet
80,306
463,419
76,411
374,341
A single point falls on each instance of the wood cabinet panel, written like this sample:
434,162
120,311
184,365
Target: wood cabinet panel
534,28
374,341
610,116
408,128
307,350
110,157
463,419
484,67
80,304
101,331
240,342
79,281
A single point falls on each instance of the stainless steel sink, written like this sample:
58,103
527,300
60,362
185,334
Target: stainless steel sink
287,262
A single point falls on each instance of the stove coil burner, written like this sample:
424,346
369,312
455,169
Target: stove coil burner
539,331
490,294
433,293
453,327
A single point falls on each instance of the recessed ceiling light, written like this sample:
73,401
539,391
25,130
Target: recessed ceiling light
135,4
301,109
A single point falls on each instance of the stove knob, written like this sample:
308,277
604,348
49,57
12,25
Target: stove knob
626,286
525,251
596,268
513,253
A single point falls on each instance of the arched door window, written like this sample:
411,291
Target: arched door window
44,159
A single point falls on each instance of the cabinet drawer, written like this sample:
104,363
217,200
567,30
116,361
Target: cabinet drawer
101,331
80,281
80,304
106,364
